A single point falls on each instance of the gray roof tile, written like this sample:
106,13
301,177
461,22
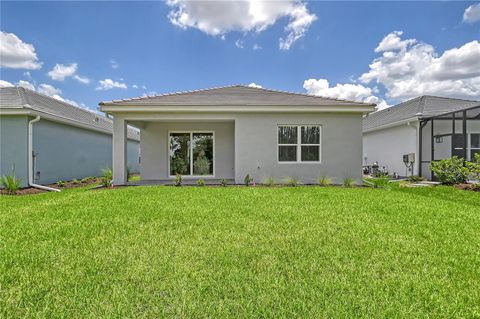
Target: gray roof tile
236,95
19,97
421,107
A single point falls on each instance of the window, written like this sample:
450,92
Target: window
299,143
191,153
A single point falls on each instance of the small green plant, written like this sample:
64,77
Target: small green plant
269,181
107,177
223,182
201,182
415,179
75,181
348,182
11,183
450,171
178,180
247,180
291,181
60,183
129,172
324,181
380,182
86,180
474,167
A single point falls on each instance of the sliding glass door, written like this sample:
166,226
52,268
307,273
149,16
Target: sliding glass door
191,153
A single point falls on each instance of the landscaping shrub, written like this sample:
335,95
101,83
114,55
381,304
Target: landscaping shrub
178,180
201,182
11,183
348,182
324,181
247,180
474,167
107,177
86,180
270,181
223,182
75,181
450,171
291,181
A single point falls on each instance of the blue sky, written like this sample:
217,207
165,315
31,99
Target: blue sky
141,48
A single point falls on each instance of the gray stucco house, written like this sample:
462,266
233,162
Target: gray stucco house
426,128
67,142
229,132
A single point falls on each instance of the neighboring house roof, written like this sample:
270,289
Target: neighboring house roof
234,95
418,108
18,100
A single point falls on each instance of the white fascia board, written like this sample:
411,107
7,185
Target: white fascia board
235,109
398,123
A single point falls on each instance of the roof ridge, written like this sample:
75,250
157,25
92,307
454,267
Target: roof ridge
449,98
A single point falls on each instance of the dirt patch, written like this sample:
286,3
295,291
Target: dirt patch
469,187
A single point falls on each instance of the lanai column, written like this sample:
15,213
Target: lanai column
119,151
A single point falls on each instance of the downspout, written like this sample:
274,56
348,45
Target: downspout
30,158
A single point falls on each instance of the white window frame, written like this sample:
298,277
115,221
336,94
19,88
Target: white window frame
191,153
299,144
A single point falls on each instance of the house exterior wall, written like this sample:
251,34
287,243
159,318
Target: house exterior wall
14,146
65,152
256,147
387,147
154,145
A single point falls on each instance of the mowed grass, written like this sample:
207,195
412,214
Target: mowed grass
240,252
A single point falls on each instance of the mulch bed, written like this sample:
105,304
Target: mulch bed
67,185
469,187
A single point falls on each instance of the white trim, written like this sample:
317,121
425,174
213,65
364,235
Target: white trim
236,108
191,132
299,144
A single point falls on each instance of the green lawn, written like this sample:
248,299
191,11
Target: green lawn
193,252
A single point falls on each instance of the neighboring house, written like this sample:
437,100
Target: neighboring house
232,131
407,128
67,141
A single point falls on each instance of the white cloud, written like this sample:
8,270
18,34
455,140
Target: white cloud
256,47
48,89
26,84
16,54
61,71
253,85
5,84
472,13
351,92
114,64
217,18
27,75
135,86
109,84
81,79
408,68
239,44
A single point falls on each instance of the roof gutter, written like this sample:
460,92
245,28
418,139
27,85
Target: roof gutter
30,158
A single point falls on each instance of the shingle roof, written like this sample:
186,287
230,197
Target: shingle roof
19,97
420,107
235,95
